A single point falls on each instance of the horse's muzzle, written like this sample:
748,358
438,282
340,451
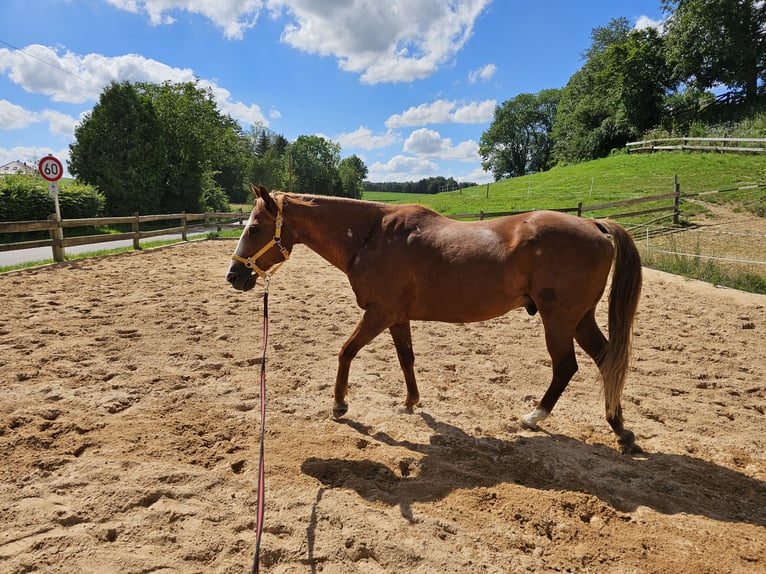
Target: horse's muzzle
241,279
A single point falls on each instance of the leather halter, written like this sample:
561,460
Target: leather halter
249,262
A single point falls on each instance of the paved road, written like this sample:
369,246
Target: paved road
18,256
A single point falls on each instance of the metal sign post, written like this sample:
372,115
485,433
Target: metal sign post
51,170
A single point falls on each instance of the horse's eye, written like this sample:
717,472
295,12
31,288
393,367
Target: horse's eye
253,229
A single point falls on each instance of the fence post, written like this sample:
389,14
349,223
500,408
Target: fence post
183,226
579,209
136,231
676,200
57,234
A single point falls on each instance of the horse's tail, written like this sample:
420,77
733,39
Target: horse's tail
623,304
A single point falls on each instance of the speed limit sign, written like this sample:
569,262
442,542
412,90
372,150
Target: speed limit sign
50,168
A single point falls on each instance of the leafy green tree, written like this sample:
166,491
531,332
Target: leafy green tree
352,173
268,159
617,95
519,139
712,42
119,149
314,164
268,170
159,148
196,139
263,144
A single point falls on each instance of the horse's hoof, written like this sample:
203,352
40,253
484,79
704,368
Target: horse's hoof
529,420
409,407
628,444
527,423
339,409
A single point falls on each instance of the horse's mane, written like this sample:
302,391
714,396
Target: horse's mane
310,200
305,200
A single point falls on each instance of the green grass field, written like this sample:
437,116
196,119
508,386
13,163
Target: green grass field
605,180
613,179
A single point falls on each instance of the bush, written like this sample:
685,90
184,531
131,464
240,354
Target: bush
25,198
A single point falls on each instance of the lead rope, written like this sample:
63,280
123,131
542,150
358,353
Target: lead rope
261,477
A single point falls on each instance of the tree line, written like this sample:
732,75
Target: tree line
427,185
635,81
166,148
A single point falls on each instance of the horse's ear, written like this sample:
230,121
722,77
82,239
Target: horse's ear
258,190
261,192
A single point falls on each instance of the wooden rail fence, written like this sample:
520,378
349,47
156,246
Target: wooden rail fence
672,209
741,145
57,242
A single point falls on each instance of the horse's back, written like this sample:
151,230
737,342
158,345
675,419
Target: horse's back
434,268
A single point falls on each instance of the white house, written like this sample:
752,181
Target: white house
17,167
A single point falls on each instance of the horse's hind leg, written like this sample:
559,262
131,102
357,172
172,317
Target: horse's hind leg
593,342
371,325
560,342
402,336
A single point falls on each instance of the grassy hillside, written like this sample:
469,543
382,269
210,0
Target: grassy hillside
609,179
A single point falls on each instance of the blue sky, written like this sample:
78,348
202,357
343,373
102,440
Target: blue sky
407,85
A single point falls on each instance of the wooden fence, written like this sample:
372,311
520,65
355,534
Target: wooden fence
741,145
57,242
672,209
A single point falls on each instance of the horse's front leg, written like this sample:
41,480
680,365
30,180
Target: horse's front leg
402,336
371,325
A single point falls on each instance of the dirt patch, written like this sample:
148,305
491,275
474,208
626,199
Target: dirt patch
129,432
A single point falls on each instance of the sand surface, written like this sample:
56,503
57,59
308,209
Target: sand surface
129,424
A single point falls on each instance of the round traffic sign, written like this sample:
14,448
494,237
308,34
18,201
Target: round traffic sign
50,168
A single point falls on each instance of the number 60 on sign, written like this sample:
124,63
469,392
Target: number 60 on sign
50,168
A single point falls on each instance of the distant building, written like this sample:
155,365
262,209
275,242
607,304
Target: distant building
17,167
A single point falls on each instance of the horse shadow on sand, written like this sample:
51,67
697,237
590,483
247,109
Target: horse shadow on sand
452,459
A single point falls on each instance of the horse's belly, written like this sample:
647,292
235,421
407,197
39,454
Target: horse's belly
464,302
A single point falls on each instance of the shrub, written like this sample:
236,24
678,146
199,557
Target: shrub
24,198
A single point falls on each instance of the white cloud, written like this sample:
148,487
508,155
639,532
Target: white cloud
364,138
246,115
430,144
394,41
60,124
402,168
73,78
475,112
13,117
443,112
479,176
484,73
643,22
232,16
32,155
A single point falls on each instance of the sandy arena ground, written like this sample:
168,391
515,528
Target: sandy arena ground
129,424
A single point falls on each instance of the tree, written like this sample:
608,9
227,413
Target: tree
197,140
119,149
519,139
159,148
315,162
352,173
616,96
712,42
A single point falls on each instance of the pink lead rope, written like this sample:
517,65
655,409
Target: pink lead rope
261,477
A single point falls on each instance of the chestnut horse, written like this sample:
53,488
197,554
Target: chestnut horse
408,263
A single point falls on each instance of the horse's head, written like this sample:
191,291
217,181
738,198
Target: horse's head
260,250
